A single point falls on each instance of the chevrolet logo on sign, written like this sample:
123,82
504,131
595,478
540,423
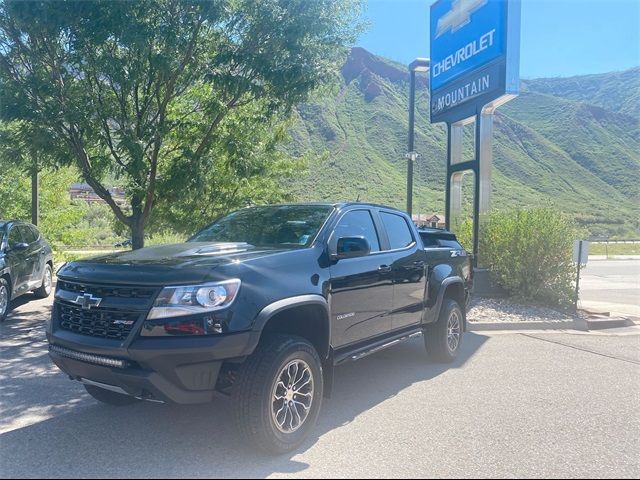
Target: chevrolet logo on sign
458,16
87,301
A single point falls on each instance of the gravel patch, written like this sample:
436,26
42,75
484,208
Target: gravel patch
504,310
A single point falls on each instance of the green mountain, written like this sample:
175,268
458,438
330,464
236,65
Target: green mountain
551,146
616,91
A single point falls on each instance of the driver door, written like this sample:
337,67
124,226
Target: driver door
17,261
361,292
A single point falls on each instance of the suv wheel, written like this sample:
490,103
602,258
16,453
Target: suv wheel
443,338
5,299
109,397
47,279
278,394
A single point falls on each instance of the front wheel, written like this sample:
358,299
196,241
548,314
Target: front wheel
278,394
444,337
5,299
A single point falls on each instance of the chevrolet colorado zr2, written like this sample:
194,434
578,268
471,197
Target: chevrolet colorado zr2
260,306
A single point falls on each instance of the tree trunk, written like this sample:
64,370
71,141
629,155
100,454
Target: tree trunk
137,232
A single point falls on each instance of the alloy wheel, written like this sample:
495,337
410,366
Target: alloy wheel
292,396
47,280
453,330
4,299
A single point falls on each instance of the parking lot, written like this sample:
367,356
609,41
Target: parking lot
540,404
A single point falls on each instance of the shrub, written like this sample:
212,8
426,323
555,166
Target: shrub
529,253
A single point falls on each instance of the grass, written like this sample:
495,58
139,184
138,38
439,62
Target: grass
614,249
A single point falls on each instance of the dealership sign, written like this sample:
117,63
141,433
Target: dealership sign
475,49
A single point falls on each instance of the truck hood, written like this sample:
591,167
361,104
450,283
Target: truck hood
190,262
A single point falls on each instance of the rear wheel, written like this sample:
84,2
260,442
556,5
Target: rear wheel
444,337
5,299
109,397
47,279
278,394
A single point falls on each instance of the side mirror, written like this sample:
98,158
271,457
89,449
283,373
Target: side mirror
351,247
20,246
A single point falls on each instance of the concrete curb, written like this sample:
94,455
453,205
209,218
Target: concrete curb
495,326
580,324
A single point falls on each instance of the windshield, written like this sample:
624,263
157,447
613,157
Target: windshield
281,225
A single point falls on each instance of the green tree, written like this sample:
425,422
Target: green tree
135,90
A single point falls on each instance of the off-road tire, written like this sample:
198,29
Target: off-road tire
253,393
437,336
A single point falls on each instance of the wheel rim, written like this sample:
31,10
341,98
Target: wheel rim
453,330
292,396
47,280
4,299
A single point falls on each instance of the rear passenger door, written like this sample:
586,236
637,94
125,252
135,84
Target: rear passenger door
408,269
361,292
31,255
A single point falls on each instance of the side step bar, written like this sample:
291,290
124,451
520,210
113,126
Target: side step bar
376,347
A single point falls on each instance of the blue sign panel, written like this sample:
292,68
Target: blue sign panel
474,55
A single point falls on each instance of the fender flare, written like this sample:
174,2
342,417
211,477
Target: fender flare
268,312
446,283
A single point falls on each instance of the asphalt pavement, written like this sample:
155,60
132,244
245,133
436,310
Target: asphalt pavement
611,285
513,405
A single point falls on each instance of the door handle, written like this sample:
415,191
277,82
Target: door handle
384,269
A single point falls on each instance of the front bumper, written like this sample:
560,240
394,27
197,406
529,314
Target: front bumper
180,370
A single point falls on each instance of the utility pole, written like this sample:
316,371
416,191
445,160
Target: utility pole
35,205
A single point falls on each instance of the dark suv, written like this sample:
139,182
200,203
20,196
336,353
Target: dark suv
26,263
259,306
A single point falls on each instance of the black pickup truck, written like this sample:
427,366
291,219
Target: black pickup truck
259,306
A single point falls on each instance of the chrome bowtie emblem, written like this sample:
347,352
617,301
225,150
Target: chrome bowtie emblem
458,16
87,301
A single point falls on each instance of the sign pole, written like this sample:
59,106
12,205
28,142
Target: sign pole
476,197
578,276
475,68
447,187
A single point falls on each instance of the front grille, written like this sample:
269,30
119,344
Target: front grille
96,322
107,291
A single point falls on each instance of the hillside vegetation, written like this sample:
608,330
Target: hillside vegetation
551,146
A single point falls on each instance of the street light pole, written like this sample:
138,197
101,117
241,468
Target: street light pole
418,65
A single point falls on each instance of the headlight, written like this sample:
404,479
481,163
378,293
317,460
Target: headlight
194,299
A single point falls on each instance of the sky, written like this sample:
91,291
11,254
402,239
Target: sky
558,37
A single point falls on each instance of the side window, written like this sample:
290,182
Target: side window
429,241
14,237
36,233
358,223
397,230
27,234
444,242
